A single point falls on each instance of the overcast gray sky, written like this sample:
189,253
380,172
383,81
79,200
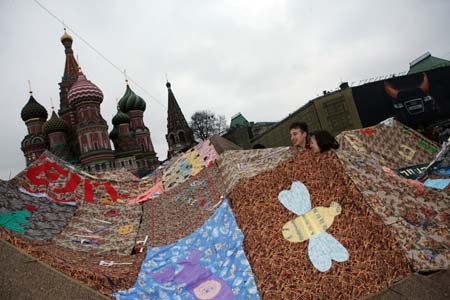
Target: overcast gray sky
263,58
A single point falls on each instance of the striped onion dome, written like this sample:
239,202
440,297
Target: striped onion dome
33,110
120,118
55,124
83,89
131,101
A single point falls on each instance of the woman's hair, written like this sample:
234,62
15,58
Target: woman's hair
325,140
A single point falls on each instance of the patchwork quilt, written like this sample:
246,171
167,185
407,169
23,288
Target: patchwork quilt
390,143
208,264
361,257
100,229
63,183
419,215
181,210
46,217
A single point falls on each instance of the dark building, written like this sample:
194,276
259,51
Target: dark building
80,134
241,131
179,135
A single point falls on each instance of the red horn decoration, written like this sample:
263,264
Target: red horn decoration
425,85
393,92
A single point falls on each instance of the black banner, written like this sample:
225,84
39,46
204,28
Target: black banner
417,100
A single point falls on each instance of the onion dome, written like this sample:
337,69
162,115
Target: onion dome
54,124
131,101
83,89
66,36
33,110
114,133
120,118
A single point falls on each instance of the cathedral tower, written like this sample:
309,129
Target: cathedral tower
179,135
56,130
91,128
134,106
35,142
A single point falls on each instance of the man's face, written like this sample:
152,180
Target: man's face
298,137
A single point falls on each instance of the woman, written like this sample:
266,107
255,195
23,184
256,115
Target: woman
322,141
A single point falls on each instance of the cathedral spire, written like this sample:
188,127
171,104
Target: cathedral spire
70,75
179,135
175,117
71,66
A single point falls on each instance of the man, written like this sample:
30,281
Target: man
299,136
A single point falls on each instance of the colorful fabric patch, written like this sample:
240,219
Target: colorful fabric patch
411,172
151,194
240,164
442,171
311,225
15,220
198,280
61,182
207,152
388,122
406,152
48,217
208,264
177,173
368,131
439,184
430,148
100,229
194,158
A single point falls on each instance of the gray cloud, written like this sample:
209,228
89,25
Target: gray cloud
262,58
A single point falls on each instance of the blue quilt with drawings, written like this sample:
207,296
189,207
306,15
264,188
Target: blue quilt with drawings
209,264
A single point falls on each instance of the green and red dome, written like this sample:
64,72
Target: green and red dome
130,101
55,124
120,118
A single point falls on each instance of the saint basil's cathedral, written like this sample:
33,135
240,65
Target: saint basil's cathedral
79,134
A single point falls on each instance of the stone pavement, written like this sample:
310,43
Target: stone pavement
418,287
23,277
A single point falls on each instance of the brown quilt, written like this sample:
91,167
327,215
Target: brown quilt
283,269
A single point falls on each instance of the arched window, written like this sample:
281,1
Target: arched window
182,137
172,139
